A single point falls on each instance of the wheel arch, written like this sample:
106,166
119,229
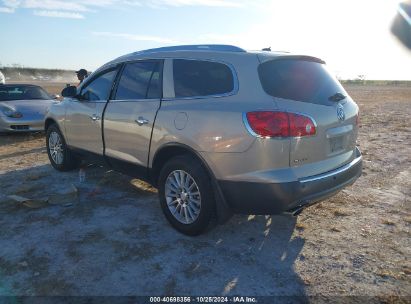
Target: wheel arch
70,161
170,150
167,152
49,121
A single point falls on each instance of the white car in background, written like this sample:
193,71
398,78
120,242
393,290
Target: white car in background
2,78
23,107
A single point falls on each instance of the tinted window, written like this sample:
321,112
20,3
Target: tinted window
154,89
19,92
99,88
300,80
201,78
139,80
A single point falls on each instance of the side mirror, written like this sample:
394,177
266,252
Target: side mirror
401,26
55,96
70,91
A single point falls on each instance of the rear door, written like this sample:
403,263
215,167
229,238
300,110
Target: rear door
303,85
84,115
130,114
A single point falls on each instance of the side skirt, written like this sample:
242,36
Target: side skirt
121,166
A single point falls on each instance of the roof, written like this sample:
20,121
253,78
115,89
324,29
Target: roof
170,51
203,49
194,47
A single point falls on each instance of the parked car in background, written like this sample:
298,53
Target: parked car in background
23,107
2,78
217,129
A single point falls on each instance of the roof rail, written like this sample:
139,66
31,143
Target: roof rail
199,47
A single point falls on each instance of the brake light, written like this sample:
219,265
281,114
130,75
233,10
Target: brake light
280,124
301,125
269,124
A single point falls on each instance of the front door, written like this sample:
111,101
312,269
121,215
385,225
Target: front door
84,114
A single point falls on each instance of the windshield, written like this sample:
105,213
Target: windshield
22,92
300,80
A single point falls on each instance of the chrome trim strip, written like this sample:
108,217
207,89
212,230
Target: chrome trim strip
168,79
332,173
339,131
194,47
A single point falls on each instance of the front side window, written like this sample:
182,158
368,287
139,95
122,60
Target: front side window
139,80
99,88
201,78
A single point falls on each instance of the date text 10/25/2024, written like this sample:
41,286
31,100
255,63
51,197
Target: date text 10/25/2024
234,299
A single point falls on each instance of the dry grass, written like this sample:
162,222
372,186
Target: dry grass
300,226
393,299
388,222
335,229
341,212
388,273
406,269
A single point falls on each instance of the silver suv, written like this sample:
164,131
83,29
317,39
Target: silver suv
218,130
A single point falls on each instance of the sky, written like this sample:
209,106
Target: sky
352,36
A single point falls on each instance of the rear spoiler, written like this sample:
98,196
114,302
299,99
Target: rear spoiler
267,57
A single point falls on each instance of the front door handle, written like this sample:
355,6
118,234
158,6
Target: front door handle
141,121
94,117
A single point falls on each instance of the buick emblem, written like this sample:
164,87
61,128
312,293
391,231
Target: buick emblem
340,112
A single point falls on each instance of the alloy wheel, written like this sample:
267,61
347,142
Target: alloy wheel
56,148
183,196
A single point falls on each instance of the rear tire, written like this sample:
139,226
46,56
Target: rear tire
186,195
60,156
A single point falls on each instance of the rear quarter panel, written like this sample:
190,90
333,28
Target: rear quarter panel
214,126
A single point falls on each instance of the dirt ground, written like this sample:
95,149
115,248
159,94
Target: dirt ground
114,240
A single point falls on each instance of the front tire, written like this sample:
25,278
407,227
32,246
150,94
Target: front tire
61,158
186,195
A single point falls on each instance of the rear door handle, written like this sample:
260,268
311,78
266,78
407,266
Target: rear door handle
94,117
141,121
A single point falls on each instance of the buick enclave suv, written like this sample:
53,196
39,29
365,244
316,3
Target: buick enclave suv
217,129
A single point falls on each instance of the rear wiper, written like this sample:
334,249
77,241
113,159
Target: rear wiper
337,97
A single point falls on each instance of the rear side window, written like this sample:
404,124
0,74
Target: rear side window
139,80
300,80
201,78
99,88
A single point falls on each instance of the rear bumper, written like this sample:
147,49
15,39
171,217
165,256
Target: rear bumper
275,198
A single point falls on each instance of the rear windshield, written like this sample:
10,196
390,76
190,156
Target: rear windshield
21,92
300,80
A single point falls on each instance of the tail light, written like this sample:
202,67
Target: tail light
280,124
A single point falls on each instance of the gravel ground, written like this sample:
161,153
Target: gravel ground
114,240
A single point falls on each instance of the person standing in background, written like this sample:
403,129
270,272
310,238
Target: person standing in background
81,75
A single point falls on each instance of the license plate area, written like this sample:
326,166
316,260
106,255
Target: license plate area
336,144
